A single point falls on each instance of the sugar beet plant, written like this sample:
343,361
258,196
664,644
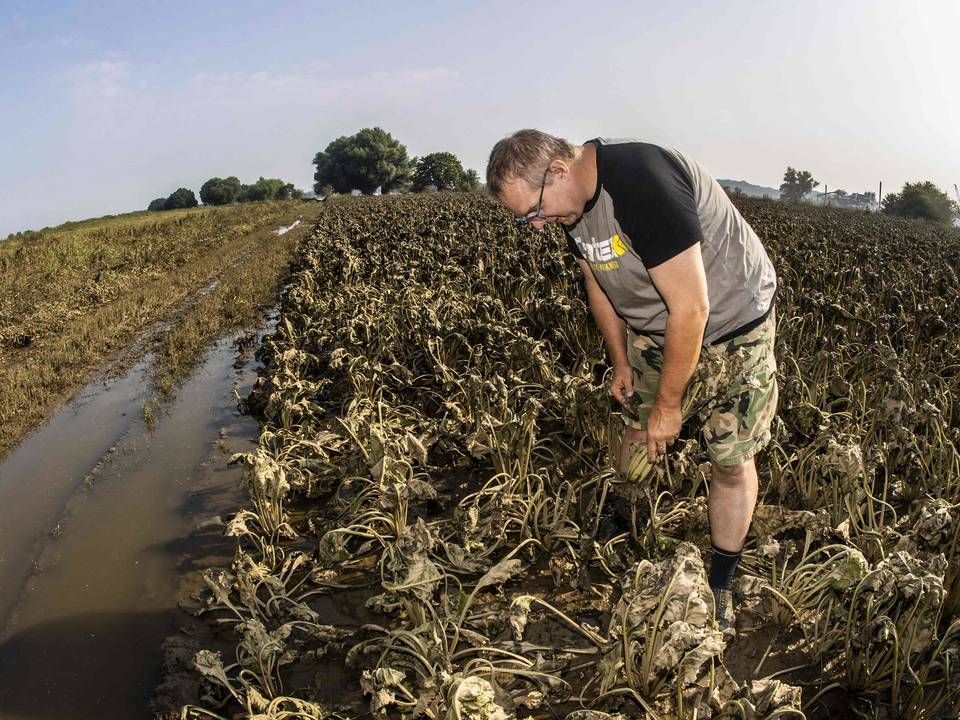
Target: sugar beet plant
436,529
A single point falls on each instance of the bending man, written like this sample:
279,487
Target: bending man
676,280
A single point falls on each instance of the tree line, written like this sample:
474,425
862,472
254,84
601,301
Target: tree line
373,160
224,191
367,161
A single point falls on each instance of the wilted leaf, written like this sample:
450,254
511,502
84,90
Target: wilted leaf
500,573
210,665
422,578
473,698
519,614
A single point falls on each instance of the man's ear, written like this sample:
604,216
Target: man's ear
559,169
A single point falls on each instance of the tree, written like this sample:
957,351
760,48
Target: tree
920,200
796,184
440,169
266,189
370,159
471,181
220,191
180,198
158,204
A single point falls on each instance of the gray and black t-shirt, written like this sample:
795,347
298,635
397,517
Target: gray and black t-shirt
651,204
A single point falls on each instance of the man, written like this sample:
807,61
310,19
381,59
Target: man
677,282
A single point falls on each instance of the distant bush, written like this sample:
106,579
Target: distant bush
181,198
267,189
158,204
470,181
442,170
796,184
220,191
922,200
369,159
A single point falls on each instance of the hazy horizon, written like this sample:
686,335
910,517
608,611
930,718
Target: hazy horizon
112,104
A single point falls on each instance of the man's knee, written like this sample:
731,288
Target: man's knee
733,475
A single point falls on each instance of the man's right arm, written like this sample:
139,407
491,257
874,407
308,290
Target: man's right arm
614,331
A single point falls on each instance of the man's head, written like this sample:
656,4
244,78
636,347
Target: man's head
537,176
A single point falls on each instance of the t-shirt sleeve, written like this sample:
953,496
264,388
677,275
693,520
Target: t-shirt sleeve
572,246
655,202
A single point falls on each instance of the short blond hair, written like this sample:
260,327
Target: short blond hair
525,155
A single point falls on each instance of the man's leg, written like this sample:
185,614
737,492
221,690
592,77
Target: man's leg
733,496
735,431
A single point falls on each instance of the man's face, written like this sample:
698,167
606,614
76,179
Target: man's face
555,202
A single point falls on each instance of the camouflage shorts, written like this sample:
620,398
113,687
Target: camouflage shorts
733,390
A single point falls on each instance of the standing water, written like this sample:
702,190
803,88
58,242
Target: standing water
100,520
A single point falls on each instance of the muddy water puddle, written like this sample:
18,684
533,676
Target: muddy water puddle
101,520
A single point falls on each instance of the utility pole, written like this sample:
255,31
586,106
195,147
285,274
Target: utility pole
879,195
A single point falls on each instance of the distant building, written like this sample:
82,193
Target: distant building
864,200
841,198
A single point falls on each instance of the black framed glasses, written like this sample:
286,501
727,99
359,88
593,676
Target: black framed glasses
527,219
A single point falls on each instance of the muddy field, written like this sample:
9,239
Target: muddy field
79,295
434,528
125,345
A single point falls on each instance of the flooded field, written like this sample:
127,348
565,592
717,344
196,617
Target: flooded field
103,520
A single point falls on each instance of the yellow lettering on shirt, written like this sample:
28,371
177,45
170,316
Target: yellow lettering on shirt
606,266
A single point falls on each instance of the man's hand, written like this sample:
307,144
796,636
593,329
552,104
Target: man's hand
663,427
621,386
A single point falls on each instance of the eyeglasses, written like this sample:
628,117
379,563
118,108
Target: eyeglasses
527,219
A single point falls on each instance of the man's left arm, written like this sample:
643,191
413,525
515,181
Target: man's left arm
682,283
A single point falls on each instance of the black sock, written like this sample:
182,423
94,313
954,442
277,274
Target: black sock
723,566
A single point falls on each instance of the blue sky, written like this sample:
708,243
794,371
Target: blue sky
107,105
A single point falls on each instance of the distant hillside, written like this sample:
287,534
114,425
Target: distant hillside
750,189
